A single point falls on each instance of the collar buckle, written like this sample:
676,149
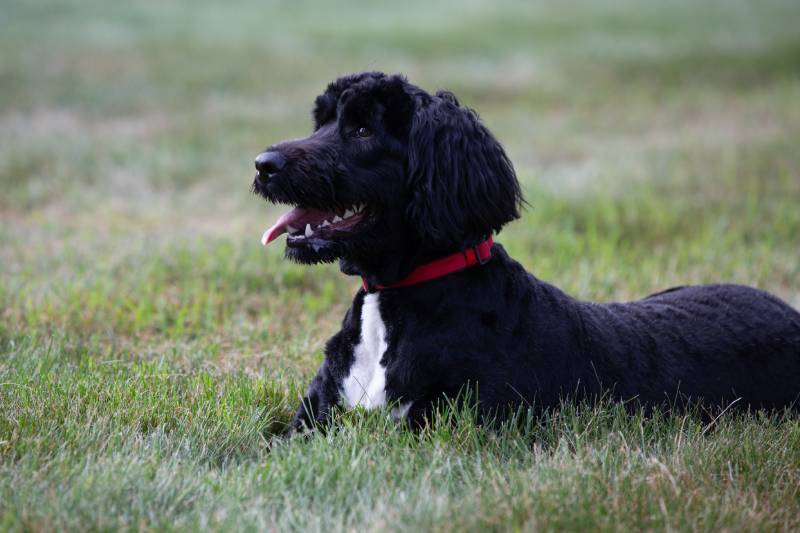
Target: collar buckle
481,260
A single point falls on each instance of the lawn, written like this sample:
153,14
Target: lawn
151,351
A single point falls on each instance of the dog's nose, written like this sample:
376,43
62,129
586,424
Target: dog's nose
270,163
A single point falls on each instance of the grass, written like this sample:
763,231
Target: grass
151,351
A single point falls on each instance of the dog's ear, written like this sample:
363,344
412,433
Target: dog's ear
462,184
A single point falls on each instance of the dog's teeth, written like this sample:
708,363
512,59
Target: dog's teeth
359,208
325,223
290,229
336,219
348,213
309,231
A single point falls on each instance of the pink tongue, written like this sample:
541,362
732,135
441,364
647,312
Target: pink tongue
297,218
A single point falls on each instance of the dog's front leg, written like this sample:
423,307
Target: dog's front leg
315,407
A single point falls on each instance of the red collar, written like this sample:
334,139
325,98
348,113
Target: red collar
478,254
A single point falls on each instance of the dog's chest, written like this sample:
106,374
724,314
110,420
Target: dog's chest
366,381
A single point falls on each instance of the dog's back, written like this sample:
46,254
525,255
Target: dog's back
716,343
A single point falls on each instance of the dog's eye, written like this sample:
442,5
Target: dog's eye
363,132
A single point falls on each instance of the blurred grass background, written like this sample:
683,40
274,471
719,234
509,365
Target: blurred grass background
657,143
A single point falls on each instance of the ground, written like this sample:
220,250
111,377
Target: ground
151,350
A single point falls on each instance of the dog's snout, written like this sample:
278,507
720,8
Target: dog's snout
270,163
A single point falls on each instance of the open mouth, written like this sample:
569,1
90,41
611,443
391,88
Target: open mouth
303,224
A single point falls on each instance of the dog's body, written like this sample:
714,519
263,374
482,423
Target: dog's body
523,341
426,179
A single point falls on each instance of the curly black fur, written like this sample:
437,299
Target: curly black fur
433,176
434,181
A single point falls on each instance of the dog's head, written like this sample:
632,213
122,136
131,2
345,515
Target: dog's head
391,177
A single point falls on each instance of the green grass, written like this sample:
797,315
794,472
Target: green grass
151,351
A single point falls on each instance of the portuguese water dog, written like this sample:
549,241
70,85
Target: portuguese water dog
405,189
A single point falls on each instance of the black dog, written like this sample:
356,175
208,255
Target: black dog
405,188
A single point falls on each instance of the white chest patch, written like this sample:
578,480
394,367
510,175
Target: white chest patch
365,385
